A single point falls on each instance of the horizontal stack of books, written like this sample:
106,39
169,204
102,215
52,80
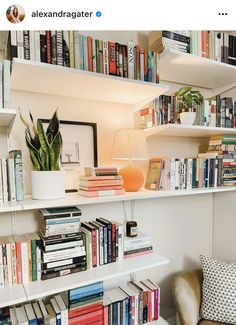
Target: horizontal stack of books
72,49
5,74
37,312
224,147
19,259
137,246
214,112
134,303
11,177
184,173
104,241
63,250
214,45
101,181
85,304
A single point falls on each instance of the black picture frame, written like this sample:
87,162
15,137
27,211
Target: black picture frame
70,166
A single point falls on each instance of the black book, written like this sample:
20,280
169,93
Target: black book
234,50
74,261
218,111
53,47
117,59
231,49
108,225
43,46
175,36
62,273
26,45
13,44
194,173
125,61
212,172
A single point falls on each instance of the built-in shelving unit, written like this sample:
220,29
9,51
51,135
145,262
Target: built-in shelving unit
46,78
38,289
194,70
7,116
180,130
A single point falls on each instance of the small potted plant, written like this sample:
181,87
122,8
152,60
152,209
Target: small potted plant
45,149
188,100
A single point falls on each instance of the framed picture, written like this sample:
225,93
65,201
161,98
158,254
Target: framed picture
79,149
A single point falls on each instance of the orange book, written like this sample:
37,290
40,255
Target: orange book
101,188
18,262
204,43
101,183
90,54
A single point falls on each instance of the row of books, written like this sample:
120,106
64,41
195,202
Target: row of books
214,112
5,83
11,177
72,49
101,181
136,302
184,173
219,46
20,259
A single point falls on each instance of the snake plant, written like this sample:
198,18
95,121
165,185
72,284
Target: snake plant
189,99
45,147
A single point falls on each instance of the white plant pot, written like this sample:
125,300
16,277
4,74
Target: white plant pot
48,185
187,118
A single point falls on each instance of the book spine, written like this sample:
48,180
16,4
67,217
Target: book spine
112,58
48,47
32,45
62,273
85,48
90,53
59,47
131,60
43,48
77,49
13,44
5,268
26,43
1,86
121,74
29,255
9,264
125,61
113,241
4,180
101,246
54,47
81,52
34,260
24,261
1,269
18,263
37,46
94,55
66,48
6,83
20,44
94,248
105,57
11,180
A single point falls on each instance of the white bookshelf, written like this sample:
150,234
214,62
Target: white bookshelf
7,116
38,289
56,80
189,69
160,321
193,131
12,295
10,206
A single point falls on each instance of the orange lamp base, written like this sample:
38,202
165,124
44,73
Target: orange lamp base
133,178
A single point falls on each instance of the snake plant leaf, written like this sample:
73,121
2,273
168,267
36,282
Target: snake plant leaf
57,148
34,160
42,137
53,126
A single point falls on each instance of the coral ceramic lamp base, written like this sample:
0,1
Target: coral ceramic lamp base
133,178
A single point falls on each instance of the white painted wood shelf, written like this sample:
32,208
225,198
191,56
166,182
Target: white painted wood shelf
12,295
160,321
189,69
7,116
52,79
180,130
76,199
39,289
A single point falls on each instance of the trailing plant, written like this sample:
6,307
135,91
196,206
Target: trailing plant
45,147
188,99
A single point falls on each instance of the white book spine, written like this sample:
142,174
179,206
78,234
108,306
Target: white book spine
176,174
38,256
94,55
136,320
58,258
101,246
105,57
1,84
25,263
11,179
131,59
9,264
37,45
32,45
4,180
49,248
20,44
1,269
6,83
77,49
172,174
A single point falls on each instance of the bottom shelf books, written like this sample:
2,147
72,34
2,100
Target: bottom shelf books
134,303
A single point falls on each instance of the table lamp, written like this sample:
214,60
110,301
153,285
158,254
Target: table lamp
130,144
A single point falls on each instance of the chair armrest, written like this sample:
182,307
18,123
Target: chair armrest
187,296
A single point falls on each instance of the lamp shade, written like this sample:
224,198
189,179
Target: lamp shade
129,144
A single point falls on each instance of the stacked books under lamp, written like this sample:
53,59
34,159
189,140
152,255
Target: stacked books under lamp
130,144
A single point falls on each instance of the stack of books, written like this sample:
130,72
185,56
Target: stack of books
136,246
63,249
19,259
85,304
224,147
104,241
11,177
134,303
72,49
37,312
101,181
5,74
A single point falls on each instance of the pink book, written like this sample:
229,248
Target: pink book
101,193
101,188
105,315
138,254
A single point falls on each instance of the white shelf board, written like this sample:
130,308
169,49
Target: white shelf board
160,321
75,199
7,116
194,70
12,295
10,206
57,80
39,289
180,130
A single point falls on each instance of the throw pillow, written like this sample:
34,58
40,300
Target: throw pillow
218,290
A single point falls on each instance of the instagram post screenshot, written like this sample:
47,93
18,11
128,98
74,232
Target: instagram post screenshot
117,163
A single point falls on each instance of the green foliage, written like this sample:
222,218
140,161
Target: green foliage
189,99
44,147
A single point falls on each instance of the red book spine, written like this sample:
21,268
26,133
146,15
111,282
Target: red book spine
113,240
112,58
204,44
94,248
18,263
94,317
145,65
149,304
137,62
48,46
84,310
90,54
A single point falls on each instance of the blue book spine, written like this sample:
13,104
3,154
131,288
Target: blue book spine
87,294
81,52
85,47
124,302
58,222
115,313
87,288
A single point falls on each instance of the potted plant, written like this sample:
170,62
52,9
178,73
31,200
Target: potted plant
188,99
45,149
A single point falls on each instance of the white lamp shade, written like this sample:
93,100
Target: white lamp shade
129,144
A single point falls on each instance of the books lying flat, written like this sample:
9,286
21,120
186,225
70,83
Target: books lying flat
101,193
